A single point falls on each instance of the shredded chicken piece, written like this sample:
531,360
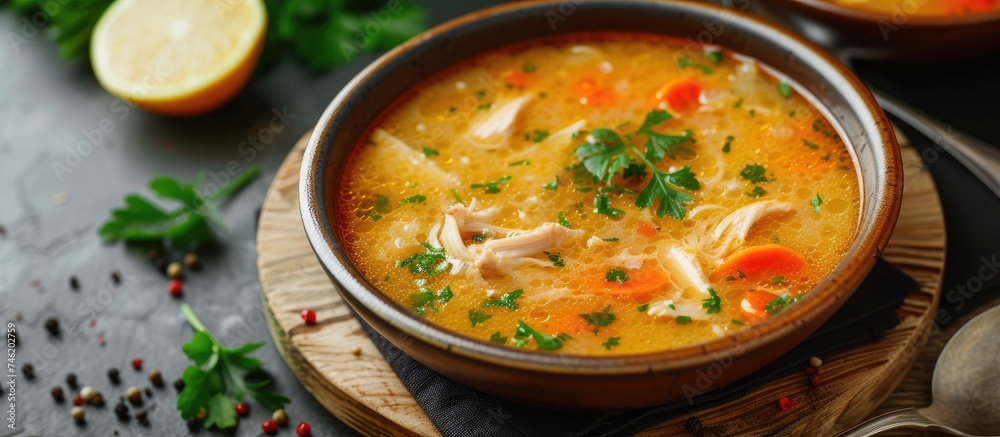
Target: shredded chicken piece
536,240
493,131
738,223
556,140
397,150
472,221
674,308
555,294
689,280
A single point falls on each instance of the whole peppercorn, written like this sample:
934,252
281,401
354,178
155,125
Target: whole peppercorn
116,277
303,429
77,413
137,364
74,283
193,425
269,427
309,316
176,288
156,377
71,381
114,376
142,417
175,270
134,395
97,399
280,417
149,392
242,409
52,325
815,362
356,351
192,261
179,384
28,371
693,425
121,411
78,400
86,393
57,394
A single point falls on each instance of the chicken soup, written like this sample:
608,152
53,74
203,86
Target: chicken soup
600,194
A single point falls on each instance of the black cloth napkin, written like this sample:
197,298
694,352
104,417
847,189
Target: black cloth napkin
458,410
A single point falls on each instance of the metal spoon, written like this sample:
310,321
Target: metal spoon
965,387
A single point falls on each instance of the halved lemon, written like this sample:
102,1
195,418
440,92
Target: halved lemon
178,57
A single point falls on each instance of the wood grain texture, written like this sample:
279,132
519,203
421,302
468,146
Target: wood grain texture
364,392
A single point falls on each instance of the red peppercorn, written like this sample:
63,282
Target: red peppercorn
269,427
303,429
309,316
137,364
242,409
785,403
176,288
78,400
811,370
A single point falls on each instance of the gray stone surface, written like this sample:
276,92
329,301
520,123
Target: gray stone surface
47,105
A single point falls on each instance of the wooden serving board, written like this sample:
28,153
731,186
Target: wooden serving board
364,392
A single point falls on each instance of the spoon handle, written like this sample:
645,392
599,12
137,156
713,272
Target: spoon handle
907,418
980,158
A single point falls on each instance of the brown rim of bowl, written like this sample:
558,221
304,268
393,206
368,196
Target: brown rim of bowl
914,21
845,278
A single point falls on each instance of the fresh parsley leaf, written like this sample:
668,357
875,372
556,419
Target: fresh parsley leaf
755,173
810,144
427,298
778,304
613,341
634,171
602,205
556,259
491,187
683,320
785,90
432,262
563,221
815,202
662,187
654,118
605,156
219,377
445,294
601,318
185,227
660,145
477,317
428,152
517,163
498,338
508,300
69,23
756,192
617,275
643,308
713,303
728,146
414,199
546,342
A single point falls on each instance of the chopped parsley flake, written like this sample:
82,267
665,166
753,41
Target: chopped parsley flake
432,262
785,90
755,173
642,308
810,144
508,300
728,146
521,162
778,280
539,135
602,318
378,209
546,342
556,259
477,317
498,338
816,202
683,320
713,303
613,341
414,199
563,221
616,275
491,187
430,152
756,192
528,68
554,185
485,106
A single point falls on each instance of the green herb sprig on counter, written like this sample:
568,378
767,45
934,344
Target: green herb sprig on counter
218,378
185,227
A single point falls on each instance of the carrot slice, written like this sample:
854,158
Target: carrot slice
763,263
680,94
646,229
640,286
592,93
755,304
517,78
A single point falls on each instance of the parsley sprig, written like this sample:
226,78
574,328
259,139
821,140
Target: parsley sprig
218,378
185,227
608,153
